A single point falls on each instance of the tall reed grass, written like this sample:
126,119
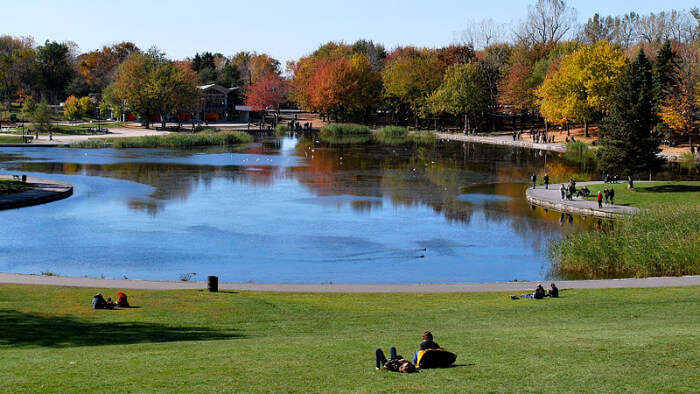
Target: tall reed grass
661,241
341,129
222,138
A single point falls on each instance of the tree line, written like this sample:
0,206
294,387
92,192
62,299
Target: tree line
547,70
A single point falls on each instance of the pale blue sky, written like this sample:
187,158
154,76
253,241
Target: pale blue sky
284,29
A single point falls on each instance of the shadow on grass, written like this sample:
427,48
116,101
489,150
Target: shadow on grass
671,189
22,329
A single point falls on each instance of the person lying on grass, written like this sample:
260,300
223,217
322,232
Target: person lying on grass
396,363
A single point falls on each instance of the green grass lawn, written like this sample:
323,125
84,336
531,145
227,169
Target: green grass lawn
10,140
647,194
193,341
8,186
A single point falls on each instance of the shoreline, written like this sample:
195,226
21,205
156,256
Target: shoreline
507,140
44,191
476,287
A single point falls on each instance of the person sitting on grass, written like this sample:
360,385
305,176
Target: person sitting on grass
427,343
537,295
110,304
98,302
553,292
122,301
395,363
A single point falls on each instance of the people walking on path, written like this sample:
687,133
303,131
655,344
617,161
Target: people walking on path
599,198
562,189
612,196
534,180
546,181
606,194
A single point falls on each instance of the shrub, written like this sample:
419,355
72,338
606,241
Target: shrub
392,131
281,129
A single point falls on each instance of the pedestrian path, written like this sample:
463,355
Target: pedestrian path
515,287
502,139
551,199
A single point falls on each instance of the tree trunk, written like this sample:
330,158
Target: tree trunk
585,128
568,129
465,122
546,126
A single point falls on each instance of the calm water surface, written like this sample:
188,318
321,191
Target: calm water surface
291,210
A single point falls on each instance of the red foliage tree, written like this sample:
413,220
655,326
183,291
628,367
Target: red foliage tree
269,91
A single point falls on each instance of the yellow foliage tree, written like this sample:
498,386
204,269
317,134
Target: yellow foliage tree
582,85
86,106
71,108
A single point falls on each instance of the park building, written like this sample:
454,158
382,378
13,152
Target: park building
218,103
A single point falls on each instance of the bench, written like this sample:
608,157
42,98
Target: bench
27,138
21,178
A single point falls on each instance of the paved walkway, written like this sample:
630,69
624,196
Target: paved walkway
514,287
42,191
551,199
502,139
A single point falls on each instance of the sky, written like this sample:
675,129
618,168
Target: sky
286,30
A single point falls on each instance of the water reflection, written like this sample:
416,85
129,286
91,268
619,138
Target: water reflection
289,210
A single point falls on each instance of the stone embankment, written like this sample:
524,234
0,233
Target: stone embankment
41,191
551,199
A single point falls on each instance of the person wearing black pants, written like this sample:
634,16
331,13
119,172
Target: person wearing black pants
381,359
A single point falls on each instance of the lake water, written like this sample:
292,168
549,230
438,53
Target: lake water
290,210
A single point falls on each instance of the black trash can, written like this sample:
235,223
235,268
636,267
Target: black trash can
213,283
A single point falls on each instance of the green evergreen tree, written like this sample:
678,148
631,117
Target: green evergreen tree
627,144
664,79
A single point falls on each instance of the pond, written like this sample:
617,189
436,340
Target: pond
286,210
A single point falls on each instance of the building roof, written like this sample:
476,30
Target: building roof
218,88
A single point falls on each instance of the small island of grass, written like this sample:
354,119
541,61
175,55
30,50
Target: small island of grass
176,140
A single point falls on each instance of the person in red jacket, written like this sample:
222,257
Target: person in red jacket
122,301
600,199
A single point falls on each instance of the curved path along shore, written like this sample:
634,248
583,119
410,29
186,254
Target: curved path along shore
502,139
507,139
41,192
551,199
515,287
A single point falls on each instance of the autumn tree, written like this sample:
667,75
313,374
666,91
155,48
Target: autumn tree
98,67
16,57
337,80
269,91
412,78
71,108
627,144
464,91
86,106
581,88
150,85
